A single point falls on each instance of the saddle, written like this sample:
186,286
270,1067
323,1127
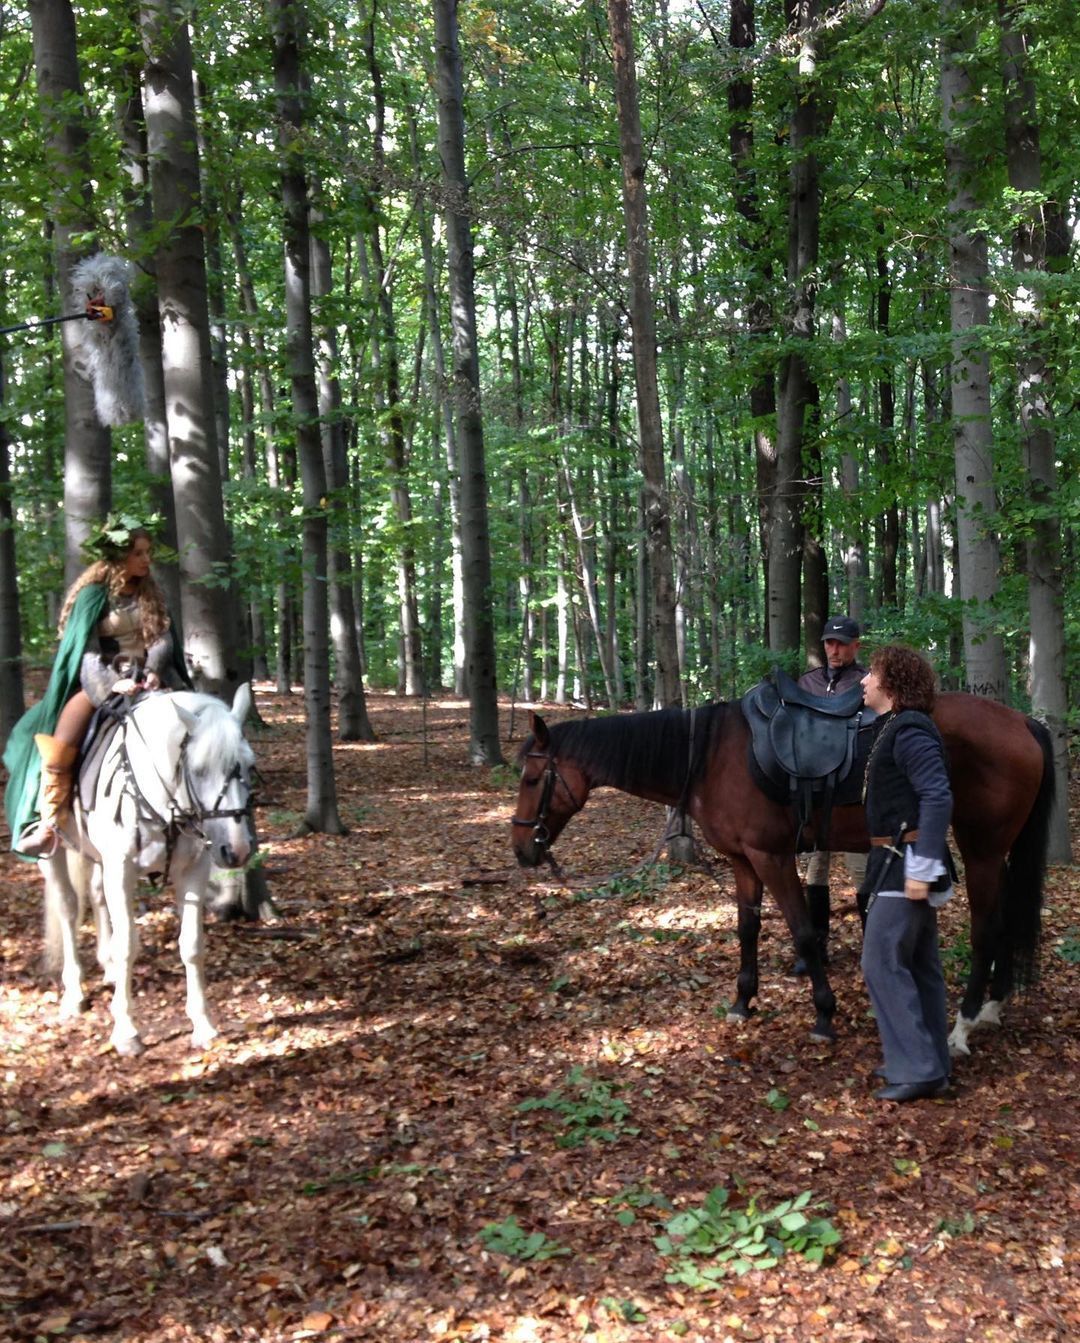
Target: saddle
803,746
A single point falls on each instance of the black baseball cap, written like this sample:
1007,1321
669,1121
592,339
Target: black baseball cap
841,628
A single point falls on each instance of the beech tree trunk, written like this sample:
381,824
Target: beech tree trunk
322,809
657,508
208,605
978,555
1049,699
87,443
465,392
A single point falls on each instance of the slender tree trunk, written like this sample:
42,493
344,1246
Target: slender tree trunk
759,317
666,690
465,390
144,294
209,606
798,393
87,443
322,809
886,453
978,553
353,721
1035,374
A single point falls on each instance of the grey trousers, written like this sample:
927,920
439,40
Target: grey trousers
902,968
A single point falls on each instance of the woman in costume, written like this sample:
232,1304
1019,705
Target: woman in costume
908,809
115,639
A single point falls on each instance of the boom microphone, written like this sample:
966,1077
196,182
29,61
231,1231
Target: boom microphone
106,346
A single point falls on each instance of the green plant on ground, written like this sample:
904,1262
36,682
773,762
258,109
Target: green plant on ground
637,884
588,1108
1068,947
707,1243
956,957
511,1239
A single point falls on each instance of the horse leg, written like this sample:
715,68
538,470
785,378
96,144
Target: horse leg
983,879
61,933
102,925
780,875
118,882
748,891
190,880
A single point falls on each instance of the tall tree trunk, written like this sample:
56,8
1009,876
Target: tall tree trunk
667,689
465,390
978,556
87,443
445,413
209,606
144,294
759,317
392,428
322,810
353,721
798,393
1034,390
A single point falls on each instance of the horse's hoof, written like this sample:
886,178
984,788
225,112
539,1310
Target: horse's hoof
71,1010
823,1035
737,1013
204,1037
130,1048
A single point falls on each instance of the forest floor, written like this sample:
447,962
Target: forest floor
352,1159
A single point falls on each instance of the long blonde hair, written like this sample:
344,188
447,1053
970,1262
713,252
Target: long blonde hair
110,573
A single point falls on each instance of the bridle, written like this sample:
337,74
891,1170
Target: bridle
177,817
552,777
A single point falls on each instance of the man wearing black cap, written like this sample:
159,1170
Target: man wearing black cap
840,672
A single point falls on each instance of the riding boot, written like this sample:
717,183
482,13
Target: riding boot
57,769
817,898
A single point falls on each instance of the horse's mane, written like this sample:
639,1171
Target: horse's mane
218,739
666,748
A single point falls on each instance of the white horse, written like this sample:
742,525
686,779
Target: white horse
172,795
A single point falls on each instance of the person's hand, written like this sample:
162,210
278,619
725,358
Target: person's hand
916,890
126,686
151,681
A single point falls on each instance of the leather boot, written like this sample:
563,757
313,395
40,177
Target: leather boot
817,898
57,768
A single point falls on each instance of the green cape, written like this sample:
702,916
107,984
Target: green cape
21,755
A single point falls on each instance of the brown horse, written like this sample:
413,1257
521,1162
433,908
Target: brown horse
1003,789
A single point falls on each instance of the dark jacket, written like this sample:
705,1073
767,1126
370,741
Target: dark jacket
817,680
907,788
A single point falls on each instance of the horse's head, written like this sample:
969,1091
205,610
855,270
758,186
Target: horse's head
552,789
218,765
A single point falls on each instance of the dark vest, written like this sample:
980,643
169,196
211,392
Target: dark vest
892,804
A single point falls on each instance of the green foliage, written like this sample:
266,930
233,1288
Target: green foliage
510,1239
1068,947
706,1244
636,885
588,1107
777,1100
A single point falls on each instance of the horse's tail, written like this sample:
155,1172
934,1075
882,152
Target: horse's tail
52,958
1025,870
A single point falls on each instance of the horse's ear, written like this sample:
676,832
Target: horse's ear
241,705
539,729
189,719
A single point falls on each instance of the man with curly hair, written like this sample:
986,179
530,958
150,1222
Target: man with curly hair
908,809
